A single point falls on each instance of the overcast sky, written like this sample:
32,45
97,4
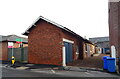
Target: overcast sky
85,17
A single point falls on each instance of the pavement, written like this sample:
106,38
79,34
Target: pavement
69,71
94,63
37,73
12,73
26,66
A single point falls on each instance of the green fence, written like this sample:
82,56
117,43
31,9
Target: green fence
20,54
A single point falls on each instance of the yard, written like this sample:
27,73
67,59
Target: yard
93,62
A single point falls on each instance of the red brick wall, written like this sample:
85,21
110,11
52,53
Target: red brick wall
77,42
4,50
114,25
45,44
119,29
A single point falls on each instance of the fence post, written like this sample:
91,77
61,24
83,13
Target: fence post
22,52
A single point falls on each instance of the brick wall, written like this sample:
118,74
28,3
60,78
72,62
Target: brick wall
4,49
4,53
45,44
119,29
77,42
114,25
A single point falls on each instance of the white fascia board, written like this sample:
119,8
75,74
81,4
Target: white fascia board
51,22
33,24
114,0
41,17
69,41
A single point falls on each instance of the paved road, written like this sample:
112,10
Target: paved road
11,72
8,72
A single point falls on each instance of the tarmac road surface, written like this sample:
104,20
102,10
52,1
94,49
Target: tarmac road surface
12,72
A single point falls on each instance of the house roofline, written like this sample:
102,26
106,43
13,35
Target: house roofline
54,23
13,41
45,19
113,0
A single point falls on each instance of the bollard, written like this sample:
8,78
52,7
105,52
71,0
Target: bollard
13,60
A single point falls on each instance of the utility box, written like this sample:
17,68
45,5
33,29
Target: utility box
111,64
105,62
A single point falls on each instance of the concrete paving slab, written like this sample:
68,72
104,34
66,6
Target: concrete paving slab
22,68
96,54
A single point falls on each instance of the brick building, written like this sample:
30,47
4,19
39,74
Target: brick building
51,43
88,48
5,40
114,24
102,43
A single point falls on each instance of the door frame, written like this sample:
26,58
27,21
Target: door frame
63,50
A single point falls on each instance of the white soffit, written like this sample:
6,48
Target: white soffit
113,0
66,40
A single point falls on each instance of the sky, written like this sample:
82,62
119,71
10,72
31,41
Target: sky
88,18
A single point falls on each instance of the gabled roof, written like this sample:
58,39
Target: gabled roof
87,41
56,24
45,19
12,38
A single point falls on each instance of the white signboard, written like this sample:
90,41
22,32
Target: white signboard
10,43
